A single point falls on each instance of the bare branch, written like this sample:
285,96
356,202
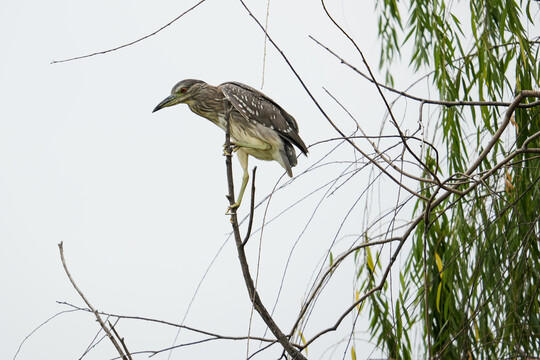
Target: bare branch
252,291
132,42
37,328
330,270
402,136
168,323
509,112
119,338
96,340
125,356
417,98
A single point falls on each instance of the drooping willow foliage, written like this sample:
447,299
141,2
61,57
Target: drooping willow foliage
471,285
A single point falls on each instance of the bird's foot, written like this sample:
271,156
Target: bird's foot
226,150
234,206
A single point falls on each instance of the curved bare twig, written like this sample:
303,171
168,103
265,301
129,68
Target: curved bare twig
417,98
132,42
168,323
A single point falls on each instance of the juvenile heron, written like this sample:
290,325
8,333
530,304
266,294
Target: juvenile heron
258,125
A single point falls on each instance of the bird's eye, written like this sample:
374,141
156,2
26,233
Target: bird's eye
183,90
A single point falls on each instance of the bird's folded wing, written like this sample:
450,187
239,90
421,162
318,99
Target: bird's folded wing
260,109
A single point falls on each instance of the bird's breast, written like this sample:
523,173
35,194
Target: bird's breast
265,141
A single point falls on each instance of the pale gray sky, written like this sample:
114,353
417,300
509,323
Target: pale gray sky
139,198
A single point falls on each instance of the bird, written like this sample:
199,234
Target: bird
258,125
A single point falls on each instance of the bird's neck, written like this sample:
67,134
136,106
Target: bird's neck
206,108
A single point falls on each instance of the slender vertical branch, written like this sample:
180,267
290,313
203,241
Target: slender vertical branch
118,336
252,291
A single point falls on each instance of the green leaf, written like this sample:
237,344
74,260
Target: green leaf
303,340
439,264
370,263
438,301
476,329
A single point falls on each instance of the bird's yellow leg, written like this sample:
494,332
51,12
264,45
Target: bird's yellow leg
243,158
245,180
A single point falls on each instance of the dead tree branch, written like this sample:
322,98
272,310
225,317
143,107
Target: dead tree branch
168,323
124,355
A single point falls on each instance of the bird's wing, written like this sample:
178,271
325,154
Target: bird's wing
259,108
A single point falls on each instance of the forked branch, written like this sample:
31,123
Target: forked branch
122,349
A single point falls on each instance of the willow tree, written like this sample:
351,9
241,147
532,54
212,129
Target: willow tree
474,268
470,282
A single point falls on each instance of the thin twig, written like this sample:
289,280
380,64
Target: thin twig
331,269
118,337
382,156
37,328
132,42
125,356
265,42
262,349
417,98
96,340
509,112
168,323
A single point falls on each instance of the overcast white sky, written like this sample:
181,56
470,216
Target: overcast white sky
139,198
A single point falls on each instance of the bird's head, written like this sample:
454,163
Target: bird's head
182,92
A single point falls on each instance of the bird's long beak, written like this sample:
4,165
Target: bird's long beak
168,101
